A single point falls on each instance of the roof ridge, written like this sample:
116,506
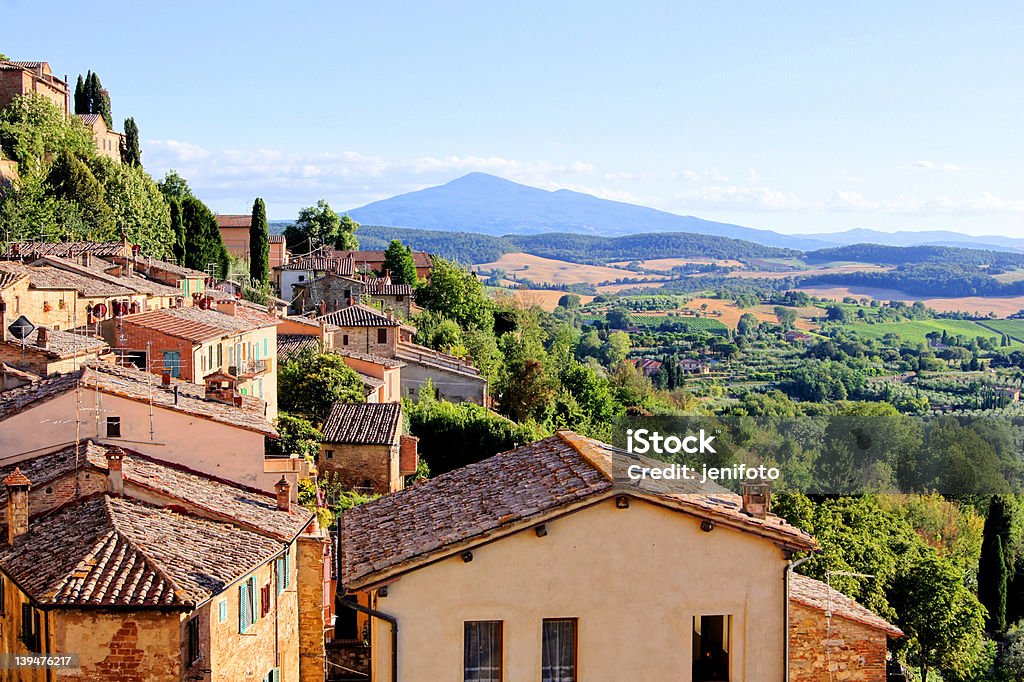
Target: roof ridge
583,446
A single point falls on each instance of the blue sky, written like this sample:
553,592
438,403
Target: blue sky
794,116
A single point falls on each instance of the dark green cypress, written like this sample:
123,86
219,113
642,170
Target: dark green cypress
259,243
203,244
131,154
993,569
81,97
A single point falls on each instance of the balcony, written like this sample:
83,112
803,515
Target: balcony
249,369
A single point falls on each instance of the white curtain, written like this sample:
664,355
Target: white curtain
559,651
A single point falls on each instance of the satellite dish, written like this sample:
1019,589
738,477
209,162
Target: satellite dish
21,328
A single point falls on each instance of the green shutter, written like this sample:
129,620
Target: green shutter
254,609
279,566
223,607
287,569
243,606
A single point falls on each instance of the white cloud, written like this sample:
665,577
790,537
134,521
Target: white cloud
932,166
986,204
739,197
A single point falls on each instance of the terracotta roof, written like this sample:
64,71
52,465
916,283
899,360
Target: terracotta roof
399,531
140,284
117,551
60,344
197,325
359,315
277,239
363,423
381,289
368,357
14,478
375,259
290,345
820,597
90,119
144,264
338,266
33,250
9,278
413,353
371,384
225,220
134,384
49,277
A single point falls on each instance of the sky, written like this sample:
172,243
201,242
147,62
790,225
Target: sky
793,116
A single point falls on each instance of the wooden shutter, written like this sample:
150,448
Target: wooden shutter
264,600
244,606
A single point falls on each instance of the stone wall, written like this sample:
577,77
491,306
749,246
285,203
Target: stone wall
850,651
358,465
133,646
311,551
365,340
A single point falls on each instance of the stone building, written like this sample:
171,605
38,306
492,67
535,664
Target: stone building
366,330
151,571
234,231
23,78
832,636
364,448
48,351
108,142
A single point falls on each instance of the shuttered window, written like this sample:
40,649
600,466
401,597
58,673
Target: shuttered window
193,654
223,610
264,600
246,604
482,651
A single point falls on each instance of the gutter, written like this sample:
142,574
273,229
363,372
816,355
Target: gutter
388,618
790,565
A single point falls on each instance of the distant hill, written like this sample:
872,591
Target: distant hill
487,204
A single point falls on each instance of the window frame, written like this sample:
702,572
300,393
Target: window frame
193,649
382,334
575,644
727,625
500,654
113,426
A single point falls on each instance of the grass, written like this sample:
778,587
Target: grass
916,331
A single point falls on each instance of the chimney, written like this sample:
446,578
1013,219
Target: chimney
86,259
408,455
17,504
43,337
165,379
757,498
115,475
284,494
228,307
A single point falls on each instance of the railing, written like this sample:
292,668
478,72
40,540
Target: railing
249,368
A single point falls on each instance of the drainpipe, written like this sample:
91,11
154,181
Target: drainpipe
353,604
790,565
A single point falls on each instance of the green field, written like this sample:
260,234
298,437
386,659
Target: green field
1015,328
916,331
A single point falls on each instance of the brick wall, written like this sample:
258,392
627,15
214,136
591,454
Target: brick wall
134,646
357,465
137,337
850,651
310,551
364,340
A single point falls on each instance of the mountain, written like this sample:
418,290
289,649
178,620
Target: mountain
490,205
923,238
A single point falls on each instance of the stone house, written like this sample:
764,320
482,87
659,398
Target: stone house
365,329
234,231
108,142
23,78
192,343
192,283
48,351
151,571
535,563
211,429
364,448
385,373
331,292
831,634
372,262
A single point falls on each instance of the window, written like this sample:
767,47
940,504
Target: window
284,572
302,278
264,600
482,652
209,357
172,363
711,643
558,658
382,335
273,676
30,628
192,652
344,339
222,609
329,453
266,347
220,355
246,604
113,427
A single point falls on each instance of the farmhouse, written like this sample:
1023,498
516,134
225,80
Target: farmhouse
23,78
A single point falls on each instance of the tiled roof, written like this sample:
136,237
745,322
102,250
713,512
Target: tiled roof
413,353
175,484
290,345
60,344
375,259
33,250
381,289
144,264
359,315
49,277
117,551
23,65
368,357
9,278
820,597
363,423
16,477
225,220
371,384
397,531
338,266
135,384
98,271
196,324
89,119
277,239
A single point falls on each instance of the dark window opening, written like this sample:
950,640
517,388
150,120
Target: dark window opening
30,628
711,644
344,339
482,651
113,427
382,335
330,454
558,658
193,654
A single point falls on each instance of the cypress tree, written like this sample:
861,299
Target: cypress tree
178,230
81,97
259,243
993,568
92,90
203,245
130,153
70,179
399,263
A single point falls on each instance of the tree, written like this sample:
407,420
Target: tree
298,437
569,301
942,619
71,180
139,210
345,238
616,348
748,324
311,382
32,128
458,294
259,243
994,565
177,231
315,226
175,187
786,316
97,98
203,245
131,154
81,98
398,262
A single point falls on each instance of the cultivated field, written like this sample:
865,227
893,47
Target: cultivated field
825,270
550,271
669,263
916,331
546,299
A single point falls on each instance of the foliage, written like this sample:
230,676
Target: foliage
310,382
259,243
1013,657
995,564
131,153
298,437
319,225
32,127
398,262
71,180
345,239
174,187
139,210
92,98
457,294
203,244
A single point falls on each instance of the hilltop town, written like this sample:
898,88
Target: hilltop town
228,454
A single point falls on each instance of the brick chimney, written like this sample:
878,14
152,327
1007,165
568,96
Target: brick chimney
43,337
757,498
17,504
284,494
408,455
221,389
86,259
165,379
115,473
227,307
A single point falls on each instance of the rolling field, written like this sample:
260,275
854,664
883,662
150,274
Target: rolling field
551,271
546,299
669,263
916,331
